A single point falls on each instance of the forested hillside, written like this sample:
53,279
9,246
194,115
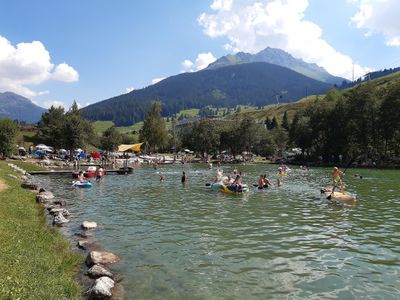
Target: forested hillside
255,84
16,107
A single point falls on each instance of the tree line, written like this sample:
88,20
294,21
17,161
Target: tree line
210,136
360,124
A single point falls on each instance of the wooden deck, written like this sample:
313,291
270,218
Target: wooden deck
66,172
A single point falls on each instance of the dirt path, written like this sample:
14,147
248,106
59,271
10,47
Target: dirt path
3,186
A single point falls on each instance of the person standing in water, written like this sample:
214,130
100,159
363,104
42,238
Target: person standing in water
100,174
184,177
337,180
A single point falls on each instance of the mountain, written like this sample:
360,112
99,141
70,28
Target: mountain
19,108
280,58
256,84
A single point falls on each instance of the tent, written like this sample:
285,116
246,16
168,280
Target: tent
126,147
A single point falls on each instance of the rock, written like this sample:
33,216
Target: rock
42,190
29,186
89,225
101,288
82,235
56,210
44,197
13,176
46,194
24,178
83,244
103,258
59,219
99,271
23,172
60,202
49,207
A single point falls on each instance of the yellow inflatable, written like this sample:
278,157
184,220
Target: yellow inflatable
227,190
341,196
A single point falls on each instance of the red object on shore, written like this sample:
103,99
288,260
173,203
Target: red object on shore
95,155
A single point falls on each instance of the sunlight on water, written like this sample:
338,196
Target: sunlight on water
188,242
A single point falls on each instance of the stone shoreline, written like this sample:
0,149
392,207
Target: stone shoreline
98,281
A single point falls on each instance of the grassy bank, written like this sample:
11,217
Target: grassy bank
36,262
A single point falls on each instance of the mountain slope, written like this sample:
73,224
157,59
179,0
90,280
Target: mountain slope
19,108
280,58
256,84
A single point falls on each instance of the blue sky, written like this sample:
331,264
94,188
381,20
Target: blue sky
55,52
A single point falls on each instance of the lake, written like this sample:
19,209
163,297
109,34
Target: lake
188,242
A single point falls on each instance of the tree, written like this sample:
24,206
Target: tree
153,131
285,121
50,128
274,123
77,131
111,139
8,133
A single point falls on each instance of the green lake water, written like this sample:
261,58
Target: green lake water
187,242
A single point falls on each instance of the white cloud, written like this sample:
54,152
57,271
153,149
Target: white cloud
222,5
379,16
42,93
129,89
63,72
251,26
55,103
28,64
157,80
202,61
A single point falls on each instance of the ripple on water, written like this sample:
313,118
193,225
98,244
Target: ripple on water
187,242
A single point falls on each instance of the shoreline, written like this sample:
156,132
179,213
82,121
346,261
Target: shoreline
90,273
37,262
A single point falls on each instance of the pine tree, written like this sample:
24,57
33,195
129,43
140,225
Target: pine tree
153,131
285,121
8,133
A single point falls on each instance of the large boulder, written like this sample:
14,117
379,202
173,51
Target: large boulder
102,258
101,288
44,197
59,219
88,225
98,271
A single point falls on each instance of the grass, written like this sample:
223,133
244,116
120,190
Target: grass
188,112
135,127
26,166
101,126
36,262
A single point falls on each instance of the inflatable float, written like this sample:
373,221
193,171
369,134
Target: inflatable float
216,186
283,174
341,196
338,196
232,190
81,184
